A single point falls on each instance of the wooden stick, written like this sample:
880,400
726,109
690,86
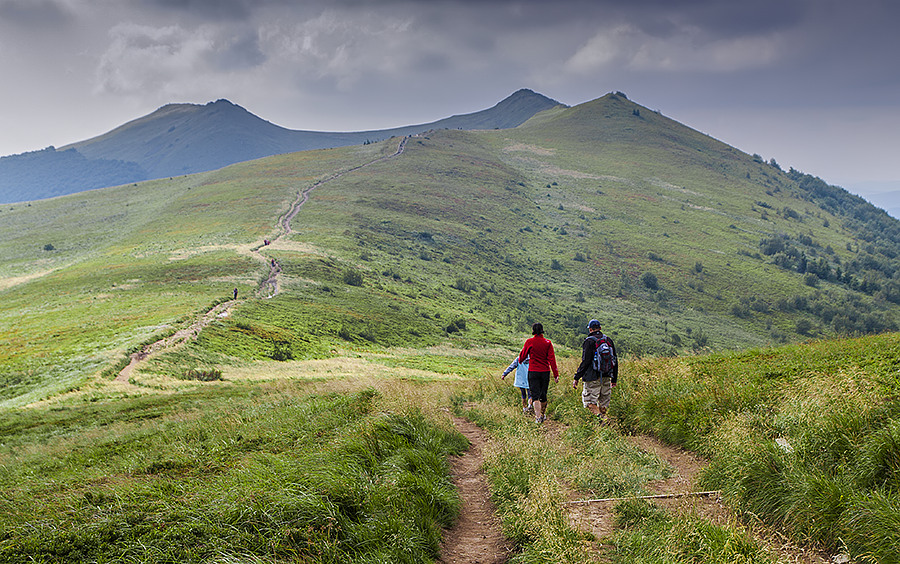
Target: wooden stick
660,496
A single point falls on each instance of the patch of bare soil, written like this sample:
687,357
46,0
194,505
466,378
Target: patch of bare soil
176,338
597,517
477,537
267,289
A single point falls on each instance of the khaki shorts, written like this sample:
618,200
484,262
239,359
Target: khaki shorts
596,392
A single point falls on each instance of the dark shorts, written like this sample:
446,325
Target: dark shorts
538,382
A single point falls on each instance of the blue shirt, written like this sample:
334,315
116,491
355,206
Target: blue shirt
521,369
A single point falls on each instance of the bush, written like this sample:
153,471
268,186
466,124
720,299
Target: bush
464,285
353,278
649,280
208,375
458,325
281,350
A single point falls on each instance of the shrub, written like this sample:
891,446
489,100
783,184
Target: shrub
464,285
649,280
353,278
281,350
208,375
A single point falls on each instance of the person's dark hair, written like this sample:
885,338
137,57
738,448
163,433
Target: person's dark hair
537,329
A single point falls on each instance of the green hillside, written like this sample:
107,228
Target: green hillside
675,241
312,425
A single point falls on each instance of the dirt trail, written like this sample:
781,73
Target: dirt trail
180,336
270,283
597,518
476,538
269,287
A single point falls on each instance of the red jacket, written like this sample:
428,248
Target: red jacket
540,350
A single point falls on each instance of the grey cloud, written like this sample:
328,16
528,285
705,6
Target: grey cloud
237,51
36,13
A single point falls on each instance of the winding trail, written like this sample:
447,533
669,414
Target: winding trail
268,288
284,222
476,537
674,495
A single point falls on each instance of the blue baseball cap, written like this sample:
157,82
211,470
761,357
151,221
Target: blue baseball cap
593,324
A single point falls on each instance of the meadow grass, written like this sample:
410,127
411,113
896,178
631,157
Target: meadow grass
465,238
649,534
534,473
460,243
127,264
803,437
266,473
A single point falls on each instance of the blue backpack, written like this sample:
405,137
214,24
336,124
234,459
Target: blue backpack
604,359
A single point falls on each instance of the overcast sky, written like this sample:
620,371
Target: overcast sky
814,84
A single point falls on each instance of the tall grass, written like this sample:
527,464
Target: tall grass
804,437
250,475
533,473
650,535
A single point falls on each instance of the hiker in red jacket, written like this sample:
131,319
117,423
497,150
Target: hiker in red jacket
542,361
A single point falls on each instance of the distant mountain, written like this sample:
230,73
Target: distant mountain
180,139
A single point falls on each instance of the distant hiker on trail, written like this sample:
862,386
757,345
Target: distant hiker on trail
521,382
235,293
542,361
599,370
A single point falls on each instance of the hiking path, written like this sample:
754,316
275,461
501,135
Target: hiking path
269,287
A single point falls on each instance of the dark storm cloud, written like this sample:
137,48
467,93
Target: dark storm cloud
739,69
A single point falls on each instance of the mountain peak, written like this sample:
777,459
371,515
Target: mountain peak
183,138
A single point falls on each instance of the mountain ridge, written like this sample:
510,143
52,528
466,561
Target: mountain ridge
677,242
178,139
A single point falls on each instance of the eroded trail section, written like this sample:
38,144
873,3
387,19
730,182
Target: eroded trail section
477,537
268,288
180,336
598,519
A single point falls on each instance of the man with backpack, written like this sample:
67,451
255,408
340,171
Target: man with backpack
599,370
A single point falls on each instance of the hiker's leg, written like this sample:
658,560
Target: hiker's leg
538,382
590,395
605,393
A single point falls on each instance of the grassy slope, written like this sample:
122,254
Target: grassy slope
466,238
131,262
557,221
462,227
833,406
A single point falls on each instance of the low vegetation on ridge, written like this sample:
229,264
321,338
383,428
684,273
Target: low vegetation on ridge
312,422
